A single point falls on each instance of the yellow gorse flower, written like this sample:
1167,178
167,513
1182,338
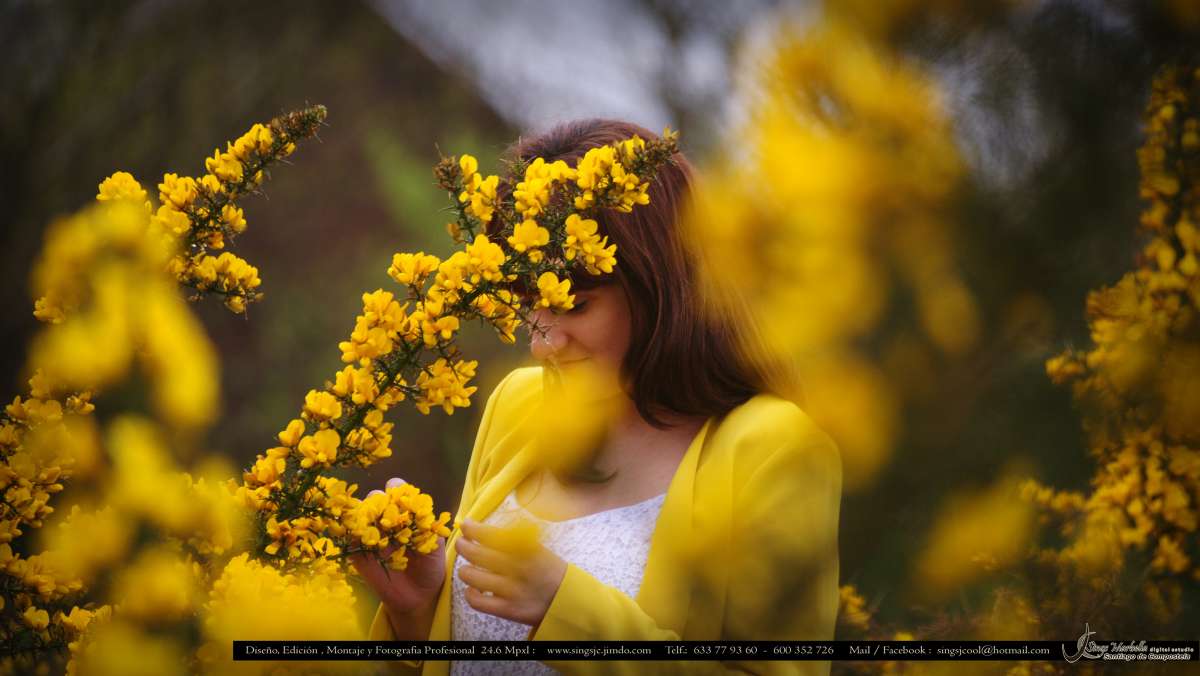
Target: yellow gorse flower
376,328
356,383
499,310
291,436
529,237
321,406
478,193
319,449
443,384
225,166
122,186
592,174
409,268
484,259
533,194
554,294
583,241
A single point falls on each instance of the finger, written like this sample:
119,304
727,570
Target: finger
487,581
369,569
484,534
395,482
492,605
520,538
369,494
485,557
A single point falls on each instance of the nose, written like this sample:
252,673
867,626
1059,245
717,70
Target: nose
546,338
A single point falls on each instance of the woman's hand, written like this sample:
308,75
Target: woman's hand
522,576
408,595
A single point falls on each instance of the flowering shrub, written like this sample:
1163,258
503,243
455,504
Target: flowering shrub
141,537
1124,555
1137,383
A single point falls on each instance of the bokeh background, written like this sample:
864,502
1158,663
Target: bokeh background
1045,97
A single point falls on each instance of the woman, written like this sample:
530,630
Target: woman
722,498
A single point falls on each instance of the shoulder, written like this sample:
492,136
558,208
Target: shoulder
770,431
515,399
766,422
516,395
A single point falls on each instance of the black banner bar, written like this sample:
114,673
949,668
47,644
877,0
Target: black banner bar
869,651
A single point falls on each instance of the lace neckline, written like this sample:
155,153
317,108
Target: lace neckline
512,497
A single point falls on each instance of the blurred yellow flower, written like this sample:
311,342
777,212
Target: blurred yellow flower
120,648
992,525
252,601
36,617
157,587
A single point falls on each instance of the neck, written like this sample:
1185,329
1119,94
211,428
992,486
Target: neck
630,437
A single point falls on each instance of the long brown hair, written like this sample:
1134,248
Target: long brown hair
683,359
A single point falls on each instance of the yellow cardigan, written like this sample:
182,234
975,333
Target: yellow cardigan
760,488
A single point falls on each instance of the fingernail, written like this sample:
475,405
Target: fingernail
374,492
395,482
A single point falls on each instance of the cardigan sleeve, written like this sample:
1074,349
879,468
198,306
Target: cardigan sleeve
782,571
381,629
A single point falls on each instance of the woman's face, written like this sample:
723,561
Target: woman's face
595,334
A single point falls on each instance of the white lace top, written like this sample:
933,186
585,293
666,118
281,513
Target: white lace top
589,542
